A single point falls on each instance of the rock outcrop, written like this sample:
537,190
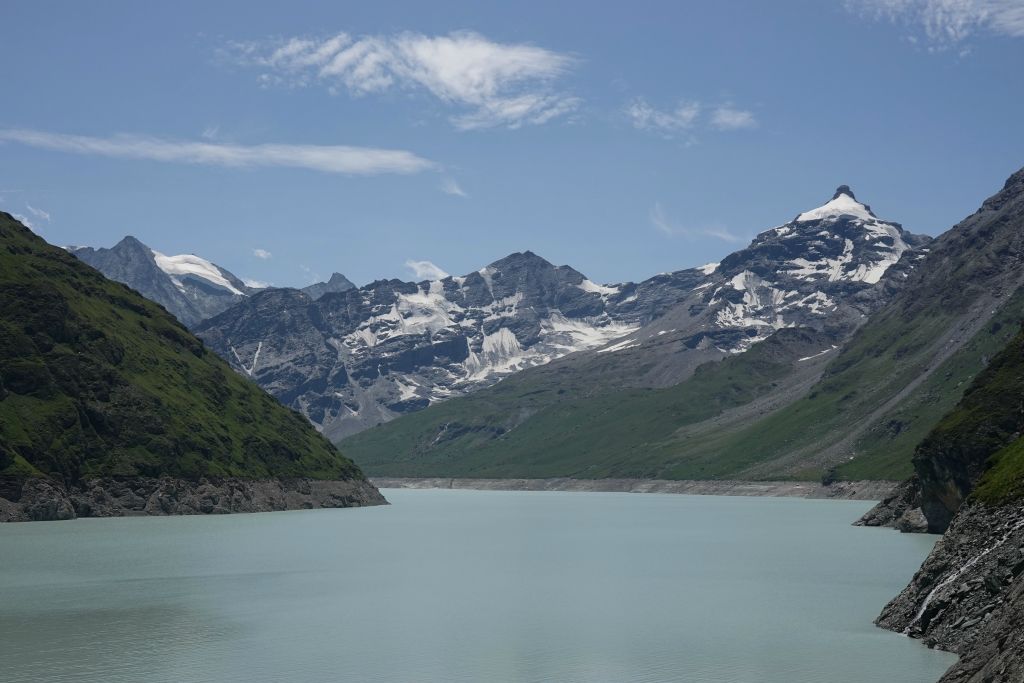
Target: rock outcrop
968,596
39,499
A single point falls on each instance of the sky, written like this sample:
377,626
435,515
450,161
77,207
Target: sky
411,139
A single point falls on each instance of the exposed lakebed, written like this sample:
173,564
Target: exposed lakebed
465,585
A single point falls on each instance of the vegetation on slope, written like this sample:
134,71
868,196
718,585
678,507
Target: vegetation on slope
544,426
96,380
978,440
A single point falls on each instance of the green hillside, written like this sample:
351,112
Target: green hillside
541,425
979,440
96,380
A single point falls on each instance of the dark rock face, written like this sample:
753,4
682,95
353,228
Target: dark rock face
184,291
354,358
337,283
38,499
968,596
901,509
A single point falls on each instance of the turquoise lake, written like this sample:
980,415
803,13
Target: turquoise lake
465,586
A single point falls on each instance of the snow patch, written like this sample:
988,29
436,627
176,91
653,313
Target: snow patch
622,345
843,205
190,264
594,288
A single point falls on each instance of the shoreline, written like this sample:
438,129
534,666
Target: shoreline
840,490
44,500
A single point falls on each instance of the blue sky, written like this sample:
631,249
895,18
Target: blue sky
288,141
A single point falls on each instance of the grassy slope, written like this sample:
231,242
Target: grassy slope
1004,481
96,380
542,425
979,438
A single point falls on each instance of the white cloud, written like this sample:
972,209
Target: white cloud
496,84
425,270
326,158
645,117
261,253
727,118
450,186
38,213
661,221
948,22
210,132
256,284
687,116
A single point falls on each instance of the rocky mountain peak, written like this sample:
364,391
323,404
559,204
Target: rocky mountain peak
1012,190
843,203
844,189
188,286
521,260
337,283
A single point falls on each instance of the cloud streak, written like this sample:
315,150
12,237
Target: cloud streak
494,84
341,159
728,118
687,116
450,186
261,254
38,213
645,117
661,221
948,22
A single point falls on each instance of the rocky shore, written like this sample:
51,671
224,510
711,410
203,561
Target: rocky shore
39,499
968,596
848,490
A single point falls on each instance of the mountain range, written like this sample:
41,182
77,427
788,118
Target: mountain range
829,346
352,358
190,287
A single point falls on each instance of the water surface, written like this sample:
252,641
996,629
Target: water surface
465,586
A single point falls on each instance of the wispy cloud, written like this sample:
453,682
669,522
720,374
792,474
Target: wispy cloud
946,23
645,117
664,224
728,118
256,284
494,84
261,253
687,117
450,186
38,213
311,275
325,158
425,270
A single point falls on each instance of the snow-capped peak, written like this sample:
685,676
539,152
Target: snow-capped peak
190,264
843,203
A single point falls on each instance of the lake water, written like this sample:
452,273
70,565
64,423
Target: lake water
465,586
